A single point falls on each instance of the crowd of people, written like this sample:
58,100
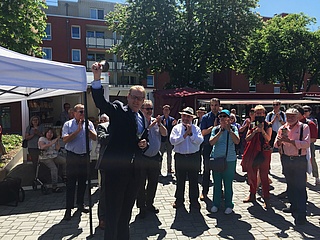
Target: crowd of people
131,143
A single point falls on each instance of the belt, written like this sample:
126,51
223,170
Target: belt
186,155
294,157
80,155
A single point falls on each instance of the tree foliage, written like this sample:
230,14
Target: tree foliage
187,38
281,51
22,25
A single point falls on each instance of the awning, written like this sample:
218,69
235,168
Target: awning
263,102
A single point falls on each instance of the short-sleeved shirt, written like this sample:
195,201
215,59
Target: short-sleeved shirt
50,152
276,124
312,127
206,122
154,140
33,142
219,149
78,144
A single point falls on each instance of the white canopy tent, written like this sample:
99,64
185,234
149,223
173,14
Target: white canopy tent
24,78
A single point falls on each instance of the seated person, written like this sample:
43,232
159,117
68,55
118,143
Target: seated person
49,147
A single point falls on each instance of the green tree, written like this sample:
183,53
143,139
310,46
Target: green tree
281,51
187,38
314,65
22,25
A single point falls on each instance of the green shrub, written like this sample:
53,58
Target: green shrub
11,141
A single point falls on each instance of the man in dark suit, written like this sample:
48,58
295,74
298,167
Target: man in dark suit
121,160
166,146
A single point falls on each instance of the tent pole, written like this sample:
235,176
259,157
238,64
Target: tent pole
88,161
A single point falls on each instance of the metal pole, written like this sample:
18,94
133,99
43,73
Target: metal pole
88,161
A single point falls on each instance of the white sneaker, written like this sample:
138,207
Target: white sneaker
317,181
214,209
228,211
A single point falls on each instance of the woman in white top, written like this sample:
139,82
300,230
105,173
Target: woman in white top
49,147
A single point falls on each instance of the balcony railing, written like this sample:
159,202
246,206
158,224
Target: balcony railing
92,42
111,65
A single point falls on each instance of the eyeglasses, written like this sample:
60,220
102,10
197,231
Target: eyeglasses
276,104
306,110
223,116
81,111
136,97
148,109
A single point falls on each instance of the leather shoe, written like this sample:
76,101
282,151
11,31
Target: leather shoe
83,209
101,225
287,210
153,209
67,215
203,197
177,205
300,221
142,213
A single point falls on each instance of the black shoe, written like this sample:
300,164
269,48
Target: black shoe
83,209
153,209
142,213
177,205
300,221
67,215
287,210
195,205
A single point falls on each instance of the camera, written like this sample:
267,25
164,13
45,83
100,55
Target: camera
258,120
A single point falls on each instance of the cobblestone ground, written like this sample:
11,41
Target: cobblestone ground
39,216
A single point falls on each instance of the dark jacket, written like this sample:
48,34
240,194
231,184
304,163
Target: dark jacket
169,127
122,149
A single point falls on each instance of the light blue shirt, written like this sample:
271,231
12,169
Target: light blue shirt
78,144
219,149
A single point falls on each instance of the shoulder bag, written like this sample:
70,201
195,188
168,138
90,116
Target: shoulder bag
219,164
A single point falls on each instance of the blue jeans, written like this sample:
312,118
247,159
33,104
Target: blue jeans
294,170
226,177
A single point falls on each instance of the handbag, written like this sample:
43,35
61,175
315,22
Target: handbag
25,143
219,164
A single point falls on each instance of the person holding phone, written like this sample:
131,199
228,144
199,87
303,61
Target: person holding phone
258,138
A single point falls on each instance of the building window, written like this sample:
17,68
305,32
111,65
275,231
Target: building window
76,55
48,53
96,34
150,81
96,13
48,32
90,33
276,89
75,32
96,57
5,117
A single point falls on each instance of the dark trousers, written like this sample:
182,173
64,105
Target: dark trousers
150,172
207,148
102,197
121,187
187,164
76,172
295,173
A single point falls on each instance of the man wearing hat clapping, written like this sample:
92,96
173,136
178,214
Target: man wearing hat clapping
186,139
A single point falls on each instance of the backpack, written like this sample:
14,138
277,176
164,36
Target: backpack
271,114
11,191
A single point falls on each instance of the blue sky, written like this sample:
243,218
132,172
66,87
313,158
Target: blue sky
310,7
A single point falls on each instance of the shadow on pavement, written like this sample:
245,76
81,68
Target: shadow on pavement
138,231
229,223
191,224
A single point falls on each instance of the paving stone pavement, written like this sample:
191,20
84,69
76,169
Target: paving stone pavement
40,216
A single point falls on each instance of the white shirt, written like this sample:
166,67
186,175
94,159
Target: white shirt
188,145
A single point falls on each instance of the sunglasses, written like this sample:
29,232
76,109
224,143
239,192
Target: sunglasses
276,104
306,110
223,116
148,109
81,111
